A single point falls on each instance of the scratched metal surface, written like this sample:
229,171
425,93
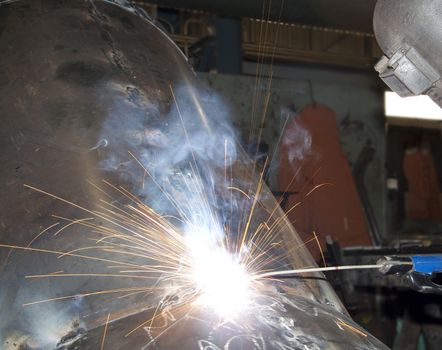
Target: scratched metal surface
301,324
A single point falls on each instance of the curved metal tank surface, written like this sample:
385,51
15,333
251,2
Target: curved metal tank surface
104,124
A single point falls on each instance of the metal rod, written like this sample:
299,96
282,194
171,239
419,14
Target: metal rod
318,269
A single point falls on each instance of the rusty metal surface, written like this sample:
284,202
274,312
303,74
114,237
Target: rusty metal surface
314,167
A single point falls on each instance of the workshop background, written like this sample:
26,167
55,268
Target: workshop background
302,73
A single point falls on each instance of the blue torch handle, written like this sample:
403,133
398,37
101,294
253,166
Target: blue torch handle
427,264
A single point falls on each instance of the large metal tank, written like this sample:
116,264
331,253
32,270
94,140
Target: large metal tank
410,34
101,117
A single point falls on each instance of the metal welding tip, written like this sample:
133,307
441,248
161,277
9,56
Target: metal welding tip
395,265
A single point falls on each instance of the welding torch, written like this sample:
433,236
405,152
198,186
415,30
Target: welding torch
420,270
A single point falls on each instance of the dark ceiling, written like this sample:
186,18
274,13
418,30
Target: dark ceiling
344,14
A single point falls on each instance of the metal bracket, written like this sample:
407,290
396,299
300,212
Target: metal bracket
407,72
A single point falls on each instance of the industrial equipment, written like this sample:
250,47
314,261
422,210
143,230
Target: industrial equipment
125,196
410,33
419,270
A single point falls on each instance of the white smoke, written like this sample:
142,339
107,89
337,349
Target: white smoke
47,324
193,136
297,140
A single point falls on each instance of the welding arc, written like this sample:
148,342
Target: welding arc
317,269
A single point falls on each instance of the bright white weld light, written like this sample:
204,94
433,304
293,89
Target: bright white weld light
222,281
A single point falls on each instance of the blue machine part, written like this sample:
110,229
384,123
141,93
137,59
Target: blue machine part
427,264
